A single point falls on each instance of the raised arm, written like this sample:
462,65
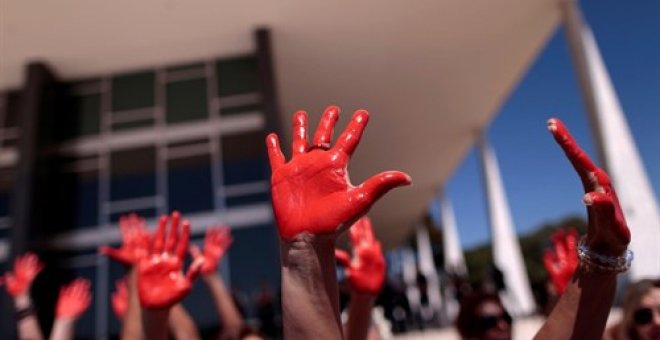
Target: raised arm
73,301
161,283
582,311
366,274
18,283
134,248
313,202
216,243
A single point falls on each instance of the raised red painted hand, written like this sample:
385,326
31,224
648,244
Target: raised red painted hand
161,282
561,261
366,272
608,231
26,268
312,192
216,243
74,299
119,299
135,241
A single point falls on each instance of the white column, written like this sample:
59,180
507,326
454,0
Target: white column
427,267
454,260
506,248
616,147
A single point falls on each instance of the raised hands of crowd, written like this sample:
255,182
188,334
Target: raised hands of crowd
366,271
561,261
135,241
216,243
366,274
582,311
161,281
18,283
314,201
312,192
73,301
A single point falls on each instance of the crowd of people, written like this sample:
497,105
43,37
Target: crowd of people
313,203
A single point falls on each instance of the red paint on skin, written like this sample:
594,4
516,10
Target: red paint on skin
608,232
366,272
216,243
561,261
74,299
26,268
135,241
312,192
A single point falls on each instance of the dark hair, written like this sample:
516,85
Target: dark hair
634,295
467,322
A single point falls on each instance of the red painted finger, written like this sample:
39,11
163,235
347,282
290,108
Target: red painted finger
195,269
299,133
159,236
172,239
343,258
184,240
275,154
549,261
580,160
323,135
378,185
350,138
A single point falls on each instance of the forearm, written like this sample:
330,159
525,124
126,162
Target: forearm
231,319
28,326
132,325
359,316
154,323
181,324
62,329
582,311
310,301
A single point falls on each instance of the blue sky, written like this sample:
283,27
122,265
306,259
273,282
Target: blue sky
541,186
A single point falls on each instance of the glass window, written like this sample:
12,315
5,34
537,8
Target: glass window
254,259
7,176
237,110
190,185
186,100
133,124
142,212
244,158
12,101
86,200
237,75
81,116
133,173
133,91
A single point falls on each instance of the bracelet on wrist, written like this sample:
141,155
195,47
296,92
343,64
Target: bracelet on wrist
592,261
25,312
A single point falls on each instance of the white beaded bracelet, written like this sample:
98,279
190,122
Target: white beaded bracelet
592,261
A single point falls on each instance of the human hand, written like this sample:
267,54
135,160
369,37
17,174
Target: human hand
312,192
561,261
608,233
161,282
119,299
74,299
135,241
216,243
26,268
366,272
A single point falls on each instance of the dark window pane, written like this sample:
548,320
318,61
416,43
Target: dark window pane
81,117
12,103
133,125
244,158
237,75
253,259
7,177
86,189
237,110
194,67
190,186
186,100
133,91
85,325
133,173
247,199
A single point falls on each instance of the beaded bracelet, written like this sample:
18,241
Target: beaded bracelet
592,261
25,312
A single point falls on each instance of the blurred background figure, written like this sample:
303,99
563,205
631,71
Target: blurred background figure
641,313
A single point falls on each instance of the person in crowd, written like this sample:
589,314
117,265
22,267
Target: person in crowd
18,284
483,316
582,310
641,313
73,301
154,280
366,274
313,202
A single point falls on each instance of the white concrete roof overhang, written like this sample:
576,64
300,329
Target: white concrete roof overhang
430,72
